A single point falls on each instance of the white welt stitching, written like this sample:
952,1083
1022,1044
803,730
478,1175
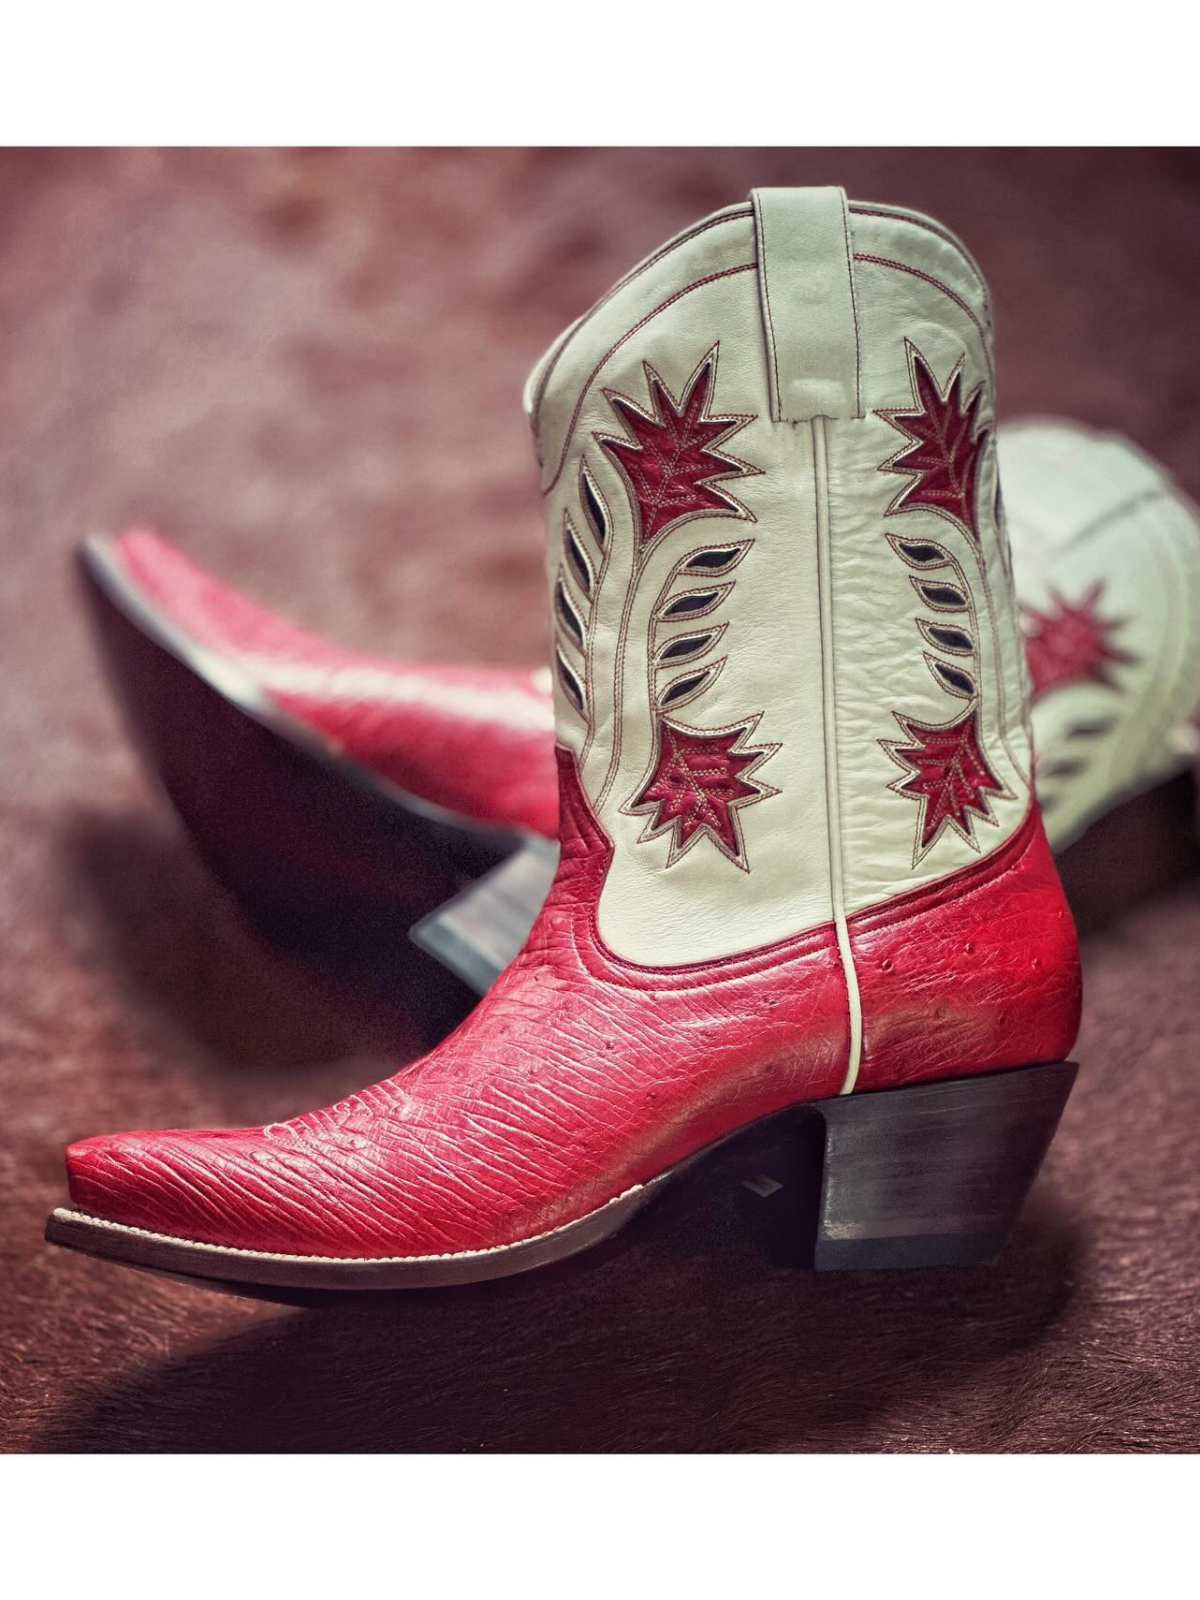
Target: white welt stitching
67,1215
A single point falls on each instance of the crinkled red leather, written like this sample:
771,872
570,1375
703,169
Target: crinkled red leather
436,731
976,971
582,1075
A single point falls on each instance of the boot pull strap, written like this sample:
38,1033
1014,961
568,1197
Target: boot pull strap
806,288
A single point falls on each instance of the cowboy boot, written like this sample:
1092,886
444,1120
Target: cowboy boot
367,790
802,869
338,795
1106,552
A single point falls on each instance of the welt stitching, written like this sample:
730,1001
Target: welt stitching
282,1255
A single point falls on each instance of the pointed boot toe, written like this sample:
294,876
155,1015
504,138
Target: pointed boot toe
238,1192
313,1186
175,1182
396,1187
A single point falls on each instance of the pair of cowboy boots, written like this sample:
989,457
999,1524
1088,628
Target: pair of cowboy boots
368,790
802,868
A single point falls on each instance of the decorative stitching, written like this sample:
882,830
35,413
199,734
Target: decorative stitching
596,958
944,765
595,507
570,682
945,443
915,272
593,504
630,277
685,648
955,641
665,454
695,565
566,612
941,596
955,680
680,803
713,277
697,395
947,774
944,234
578,558
683,690
926,555
692,604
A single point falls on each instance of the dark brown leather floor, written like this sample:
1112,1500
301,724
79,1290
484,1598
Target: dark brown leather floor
306,367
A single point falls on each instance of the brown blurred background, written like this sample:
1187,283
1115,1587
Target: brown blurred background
305,366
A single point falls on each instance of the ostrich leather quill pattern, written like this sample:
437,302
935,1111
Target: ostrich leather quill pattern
503,1134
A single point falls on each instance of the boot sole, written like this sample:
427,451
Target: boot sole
928,1175
320,851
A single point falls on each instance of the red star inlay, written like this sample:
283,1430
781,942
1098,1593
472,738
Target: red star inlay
1070,644
671,461
947,772
700,783
942,460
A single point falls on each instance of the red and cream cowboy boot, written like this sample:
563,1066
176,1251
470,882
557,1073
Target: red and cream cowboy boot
802,869
1107,558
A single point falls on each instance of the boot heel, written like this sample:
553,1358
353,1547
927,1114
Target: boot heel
934,1174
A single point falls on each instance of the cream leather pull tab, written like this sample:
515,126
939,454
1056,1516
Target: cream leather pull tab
806,284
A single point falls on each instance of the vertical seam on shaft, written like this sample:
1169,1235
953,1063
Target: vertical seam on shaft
833,817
